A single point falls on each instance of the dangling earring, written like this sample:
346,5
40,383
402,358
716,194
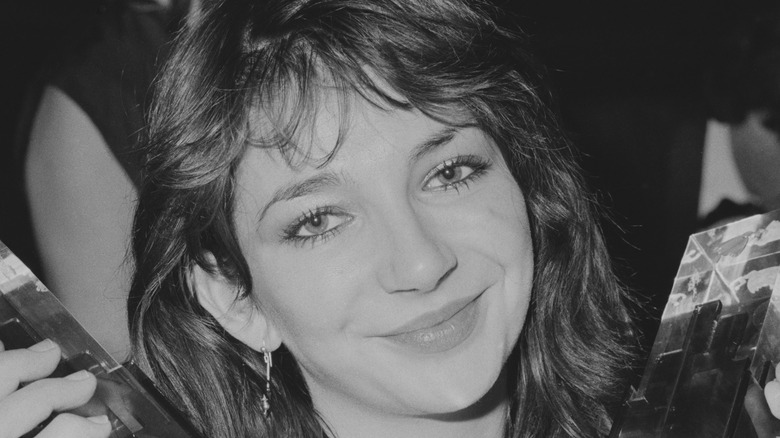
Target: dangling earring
268,364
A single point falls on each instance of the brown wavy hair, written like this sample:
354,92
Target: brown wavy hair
441,57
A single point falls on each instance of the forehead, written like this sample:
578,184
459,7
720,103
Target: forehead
340,126
310,116
341,133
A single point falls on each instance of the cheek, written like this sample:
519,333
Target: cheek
510,246
307,301
505,226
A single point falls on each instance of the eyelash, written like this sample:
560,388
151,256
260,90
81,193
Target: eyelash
291,233
479,166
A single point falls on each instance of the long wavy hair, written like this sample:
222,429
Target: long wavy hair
445,58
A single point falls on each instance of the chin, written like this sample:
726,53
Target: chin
477,398
460,385
461,380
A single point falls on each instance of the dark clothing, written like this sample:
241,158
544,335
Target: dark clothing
106,63
110,76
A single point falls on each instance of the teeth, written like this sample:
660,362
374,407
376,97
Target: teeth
444,336
428,337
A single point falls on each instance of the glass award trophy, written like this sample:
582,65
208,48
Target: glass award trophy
718,342
30,313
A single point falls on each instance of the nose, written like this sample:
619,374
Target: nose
416,258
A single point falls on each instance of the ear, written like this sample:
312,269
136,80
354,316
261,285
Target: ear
238,316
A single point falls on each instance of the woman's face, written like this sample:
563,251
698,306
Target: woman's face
399,273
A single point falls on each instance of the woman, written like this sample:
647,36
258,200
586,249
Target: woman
374,198
401,205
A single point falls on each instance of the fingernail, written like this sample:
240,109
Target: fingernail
78,375
100,419
42,346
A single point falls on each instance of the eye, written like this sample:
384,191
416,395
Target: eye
316,225
456,172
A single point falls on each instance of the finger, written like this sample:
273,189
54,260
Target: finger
26,365
73,426
756,407
772,394
26,408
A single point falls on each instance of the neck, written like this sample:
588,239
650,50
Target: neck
485,419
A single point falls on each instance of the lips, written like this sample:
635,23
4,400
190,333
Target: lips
433,318
440,330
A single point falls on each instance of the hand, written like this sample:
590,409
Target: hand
762,406
21,410
772,393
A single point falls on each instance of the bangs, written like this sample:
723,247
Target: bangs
285,80
288,96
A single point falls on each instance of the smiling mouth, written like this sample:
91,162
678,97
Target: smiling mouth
441,330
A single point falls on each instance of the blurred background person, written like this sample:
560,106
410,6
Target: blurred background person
742,89
78,147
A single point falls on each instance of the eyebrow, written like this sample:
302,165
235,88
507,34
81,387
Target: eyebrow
301,188
329,178
433,142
